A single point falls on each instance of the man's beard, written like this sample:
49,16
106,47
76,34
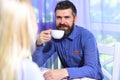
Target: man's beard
68,31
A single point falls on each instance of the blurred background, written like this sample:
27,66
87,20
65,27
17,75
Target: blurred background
101,17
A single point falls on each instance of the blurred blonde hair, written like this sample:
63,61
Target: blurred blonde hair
17,37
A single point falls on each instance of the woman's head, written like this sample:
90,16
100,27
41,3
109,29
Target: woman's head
18,30
18,27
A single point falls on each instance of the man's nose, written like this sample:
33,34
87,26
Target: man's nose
62,20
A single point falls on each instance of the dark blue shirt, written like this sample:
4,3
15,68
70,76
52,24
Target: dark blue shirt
78,53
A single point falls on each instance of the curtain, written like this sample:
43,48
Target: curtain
102,17
44,10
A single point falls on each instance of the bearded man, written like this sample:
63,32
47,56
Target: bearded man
77,50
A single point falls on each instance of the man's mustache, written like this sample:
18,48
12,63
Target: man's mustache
62,25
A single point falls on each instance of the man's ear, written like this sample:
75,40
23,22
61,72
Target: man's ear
75,19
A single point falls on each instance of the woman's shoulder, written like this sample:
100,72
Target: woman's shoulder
30,70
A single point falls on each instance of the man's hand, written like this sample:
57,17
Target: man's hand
44,36
56,74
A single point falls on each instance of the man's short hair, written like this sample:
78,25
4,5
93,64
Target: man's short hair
66,5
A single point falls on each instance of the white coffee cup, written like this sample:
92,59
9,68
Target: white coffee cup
57,34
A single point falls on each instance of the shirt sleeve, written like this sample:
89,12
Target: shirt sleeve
42,53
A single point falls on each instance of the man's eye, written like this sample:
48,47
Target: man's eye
58,17
67,17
